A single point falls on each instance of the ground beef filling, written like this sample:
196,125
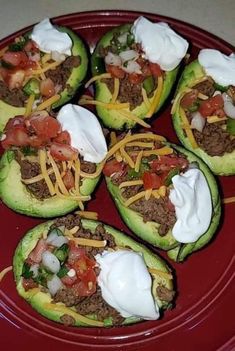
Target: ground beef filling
93,304
14,97
61,73
164,293
206,87
32,169
214,140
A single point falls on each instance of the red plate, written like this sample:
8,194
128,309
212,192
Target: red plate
203,317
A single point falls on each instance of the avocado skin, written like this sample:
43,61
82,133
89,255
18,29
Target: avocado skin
220,165
148,231
112,118
15,195
78,74
38,299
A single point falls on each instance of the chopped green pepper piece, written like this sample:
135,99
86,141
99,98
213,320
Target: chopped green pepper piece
17,46
130,39
28,150
62,252
231,126
26,272
220,87
43,276
62,272
32,87
171,174
148,84
194,107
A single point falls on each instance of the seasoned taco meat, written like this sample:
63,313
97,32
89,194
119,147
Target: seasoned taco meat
68,297
14,97
164,293
60,74
206,87
214,140
67,320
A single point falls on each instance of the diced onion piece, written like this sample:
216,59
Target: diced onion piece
34,269
128,55
56,240
56,56
229,107
51,262
198,122
132,67
123,38
112,59
54,285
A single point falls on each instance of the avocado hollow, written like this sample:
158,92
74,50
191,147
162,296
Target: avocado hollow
219,164
149,230
40,299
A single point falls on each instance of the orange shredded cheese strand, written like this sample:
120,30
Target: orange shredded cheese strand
4,272
52,65
229,200
61,308
148,194
29,105
145,98
45,58
131,183
57,175
160,273
165,150
47,103
109,106
89,242
134,198
134,118
96,173
138,161
37,178
116,90
214,119
98,77
188,131
88,214
130,138
140,144
42,161
2,51
77,175
71,196
202,96
156,98
127,158
113,141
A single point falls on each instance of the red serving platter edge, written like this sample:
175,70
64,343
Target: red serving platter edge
203,315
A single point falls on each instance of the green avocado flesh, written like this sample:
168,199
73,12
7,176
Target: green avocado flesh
39,300
113,118
76,77
15,195
220,165
148,231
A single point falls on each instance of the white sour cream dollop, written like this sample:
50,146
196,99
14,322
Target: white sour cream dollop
192,200
85,132
219,66
160,43
126,284
51,40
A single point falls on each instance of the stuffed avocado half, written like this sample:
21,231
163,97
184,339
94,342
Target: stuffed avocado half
47,168
61,269
203,112
34,74
164,193
130,83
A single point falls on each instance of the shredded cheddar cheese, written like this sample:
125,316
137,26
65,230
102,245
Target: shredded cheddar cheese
203,96
98,77
138,161
29,105
134,118
42,162
214,119
131,183
229,200
37,178
113,141
145,98
148,194
46,58
47,103
88,214
57,175
89,242
52,65
165,150
188,131
116,90
156,98
134,198
126,157
2,51
140,144
4,272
